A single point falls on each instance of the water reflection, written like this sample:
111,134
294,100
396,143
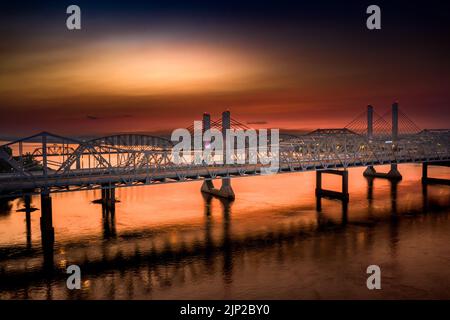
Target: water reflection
108,219
250,248
27,209
5,207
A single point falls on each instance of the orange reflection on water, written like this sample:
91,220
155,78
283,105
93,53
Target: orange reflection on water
259,202
274,241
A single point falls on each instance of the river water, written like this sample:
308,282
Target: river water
275,241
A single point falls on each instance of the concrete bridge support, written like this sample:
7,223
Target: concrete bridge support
393,173
225,191
27,201
370,170
428,180
343,195
108,196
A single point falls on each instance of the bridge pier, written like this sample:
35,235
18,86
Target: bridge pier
393,173
343,195
370,171
428,180
225,191
108,196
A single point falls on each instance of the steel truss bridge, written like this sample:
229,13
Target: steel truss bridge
50,162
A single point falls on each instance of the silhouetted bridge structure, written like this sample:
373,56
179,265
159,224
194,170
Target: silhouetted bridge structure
46,163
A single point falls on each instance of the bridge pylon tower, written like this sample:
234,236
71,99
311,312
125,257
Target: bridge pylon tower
370,171
225,191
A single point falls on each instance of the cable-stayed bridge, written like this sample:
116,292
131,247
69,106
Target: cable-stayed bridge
50,163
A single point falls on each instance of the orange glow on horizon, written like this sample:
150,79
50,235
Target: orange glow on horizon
158,82
131,68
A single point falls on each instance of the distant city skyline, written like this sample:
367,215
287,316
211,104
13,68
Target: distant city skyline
144,67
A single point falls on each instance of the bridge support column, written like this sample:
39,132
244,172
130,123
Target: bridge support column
207,186
108,196
428,180
225,191
370,170
343,195
393,173
47,230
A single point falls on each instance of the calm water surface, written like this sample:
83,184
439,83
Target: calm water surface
275,241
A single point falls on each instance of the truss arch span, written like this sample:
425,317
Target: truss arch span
132,142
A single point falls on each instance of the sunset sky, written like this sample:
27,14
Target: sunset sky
154,65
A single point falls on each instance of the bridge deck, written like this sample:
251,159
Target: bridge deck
83,179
